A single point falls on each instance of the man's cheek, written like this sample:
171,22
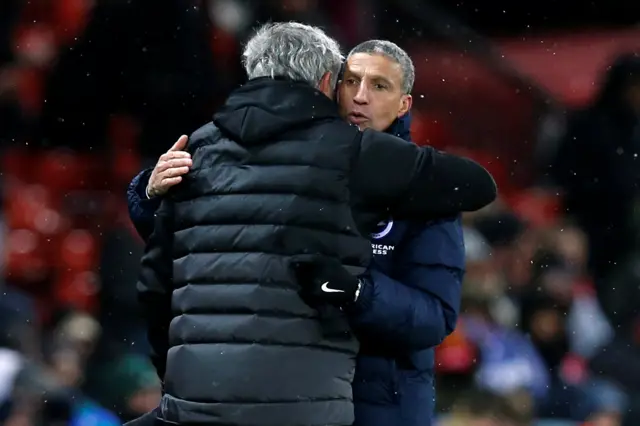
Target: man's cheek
343,105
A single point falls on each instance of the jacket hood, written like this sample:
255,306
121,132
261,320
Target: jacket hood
265,107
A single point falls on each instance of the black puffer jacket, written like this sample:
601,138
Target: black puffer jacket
276,174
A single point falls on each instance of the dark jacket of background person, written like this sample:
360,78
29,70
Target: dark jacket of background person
599,168
274,175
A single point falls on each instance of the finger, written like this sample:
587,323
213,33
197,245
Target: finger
171,155
180,144
180,162
163,165
163,169
172,181
174,171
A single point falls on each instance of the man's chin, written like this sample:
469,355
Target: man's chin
360,124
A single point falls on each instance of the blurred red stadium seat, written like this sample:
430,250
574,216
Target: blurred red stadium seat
16,163
123,134
493,163
61,171
35,43
78,251
430,129
538,207
31,90
64,171
70,17
25,205
26,259
223,44
77,289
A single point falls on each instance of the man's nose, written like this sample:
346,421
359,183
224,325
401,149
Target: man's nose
361,97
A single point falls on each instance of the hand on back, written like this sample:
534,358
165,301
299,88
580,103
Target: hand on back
170,168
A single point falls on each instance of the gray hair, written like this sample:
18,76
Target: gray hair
393,52
292,50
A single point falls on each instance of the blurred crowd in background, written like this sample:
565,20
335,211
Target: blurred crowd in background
91,91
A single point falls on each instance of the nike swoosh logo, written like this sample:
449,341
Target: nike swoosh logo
325,287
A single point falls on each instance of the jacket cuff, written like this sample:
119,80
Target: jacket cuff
140,190
365,299
142,183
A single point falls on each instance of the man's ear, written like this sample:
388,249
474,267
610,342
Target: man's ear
325,85
405,105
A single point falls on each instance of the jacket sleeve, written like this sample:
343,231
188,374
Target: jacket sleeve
155,285
418,308
418,182
141,208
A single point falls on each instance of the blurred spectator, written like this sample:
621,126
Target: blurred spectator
130,386
162,73
482,408
547,366
11,119
597,166
508,360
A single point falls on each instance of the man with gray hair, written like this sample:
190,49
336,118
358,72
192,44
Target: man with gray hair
378,81
276,177
274,51
411,295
